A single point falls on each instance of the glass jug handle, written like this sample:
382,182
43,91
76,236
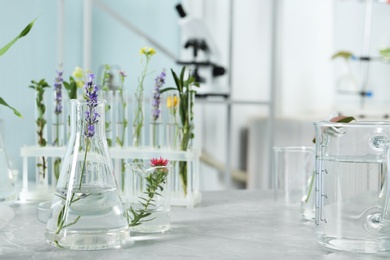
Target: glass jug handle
380,222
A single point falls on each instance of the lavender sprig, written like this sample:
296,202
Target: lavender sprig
91,116
58,92
91,119
159,82
57,111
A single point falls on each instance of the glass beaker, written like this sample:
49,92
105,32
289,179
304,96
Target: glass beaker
352,186
87,212
293,177
147,195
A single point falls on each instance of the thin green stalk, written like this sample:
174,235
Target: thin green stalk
139,117
311,186
154,183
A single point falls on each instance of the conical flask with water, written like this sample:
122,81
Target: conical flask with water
87,212
7,188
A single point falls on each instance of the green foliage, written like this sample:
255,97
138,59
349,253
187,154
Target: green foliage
154,186
40,87
25,31
186,104
106,78
342,54
71,88
4,49
385,54
56,168
16,112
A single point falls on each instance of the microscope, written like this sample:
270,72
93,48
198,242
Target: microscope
198,52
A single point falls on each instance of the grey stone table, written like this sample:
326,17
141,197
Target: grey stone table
227,225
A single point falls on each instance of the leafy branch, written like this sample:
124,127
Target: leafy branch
39,87
186,104
4,49
138,121
71,88
153,188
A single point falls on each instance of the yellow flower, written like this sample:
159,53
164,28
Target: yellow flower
151,51
147,51
143,50
78,73
172,101
79,83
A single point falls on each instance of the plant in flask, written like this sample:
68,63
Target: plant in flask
122,122
87,212
148,199
58,124
107,90
186,96
122,115
40,121
156,124
172,101
72,87
138,121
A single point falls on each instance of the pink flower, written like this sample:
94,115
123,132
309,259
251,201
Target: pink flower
158,162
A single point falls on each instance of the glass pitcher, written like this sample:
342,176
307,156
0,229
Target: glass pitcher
352,186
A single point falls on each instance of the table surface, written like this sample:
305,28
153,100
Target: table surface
236,224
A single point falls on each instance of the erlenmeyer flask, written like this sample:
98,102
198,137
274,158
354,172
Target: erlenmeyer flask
87,212
7,189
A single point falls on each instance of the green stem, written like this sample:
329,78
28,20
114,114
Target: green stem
85,161
139,118
154,182
57,130
310,187
124,125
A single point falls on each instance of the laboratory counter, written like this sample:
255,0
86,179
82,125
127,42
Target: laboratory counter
236,224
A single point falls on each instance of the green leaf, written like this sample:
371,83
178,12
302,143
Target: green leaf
167,89
385,53
182,75
22,34
177,81
16,112
346,119
342,54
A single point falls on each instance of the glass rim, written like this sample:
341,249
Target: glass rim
128,165
352,124
84,102
293,148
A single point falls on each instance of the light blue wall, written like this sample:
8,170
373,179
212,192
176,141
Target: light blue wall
35,56
31,58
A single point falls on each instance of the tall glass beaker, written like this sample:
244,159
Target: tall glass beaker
87,212
352,186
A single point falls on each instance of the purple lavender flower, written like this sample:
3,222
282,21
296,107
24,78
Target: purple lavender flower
91,116
122,74
159,82
58,92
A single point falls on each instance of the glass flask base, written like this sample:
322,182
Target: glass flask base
88,240
373,246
